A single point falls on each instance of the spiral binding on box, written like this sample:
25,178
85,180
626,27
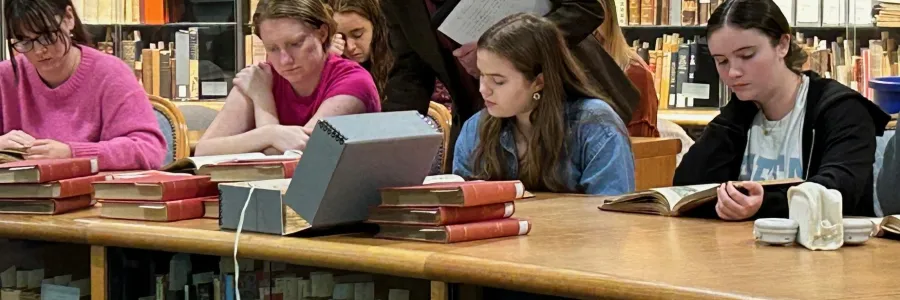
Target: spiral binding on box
431,122
334,133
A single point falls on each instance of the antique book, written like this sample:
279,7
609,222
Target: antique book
12,155
886,227
456,233
436,216
211,207
461,194
155,186
57,189
677,200
250,170
195,163
45,206
47,170
176,210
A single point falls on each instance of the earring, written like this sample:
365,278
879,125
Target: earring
536,96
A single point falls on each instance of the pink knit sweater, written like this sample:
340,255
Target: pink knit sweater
101,111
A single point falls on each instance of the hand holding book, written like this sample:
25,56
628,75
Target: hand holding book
734,205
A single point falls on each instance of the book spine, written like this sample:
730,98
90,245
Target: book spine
289,167
66,169
77,186
487,230
490,192
184,209
462,215
65,205
200,186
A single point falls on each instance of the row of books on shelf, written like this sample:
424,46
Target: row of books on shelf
798,12
685,74
153,12
170,71
35,284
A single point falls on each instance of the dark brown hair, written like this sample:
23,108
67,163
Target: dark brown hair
761,15
40,17
381,58
534,46
312,12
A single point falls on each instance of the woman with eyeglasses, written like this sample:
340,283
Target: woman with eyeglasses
275,105
60,98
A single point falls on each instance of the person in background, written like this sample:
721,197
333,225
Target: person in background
885,189
61,99
643,124
274,105
781,123
543,124
362,37
421,53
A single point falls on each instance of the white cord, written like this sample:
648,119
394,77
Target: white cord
237,238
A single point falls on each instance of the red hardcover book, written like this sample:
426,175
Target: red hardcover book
155,186
437,216
169,211
45,206
47,170
58,189
456,233
254,170
460,194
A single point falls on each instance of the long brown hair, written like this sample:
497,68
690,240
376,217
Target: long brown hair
40,17
534,46
612,38
310,12
380,57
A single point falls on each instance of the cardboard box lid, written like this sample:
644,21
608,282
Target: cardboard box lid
348,158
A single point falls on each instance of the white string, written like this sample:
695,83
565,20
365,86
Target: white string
237,238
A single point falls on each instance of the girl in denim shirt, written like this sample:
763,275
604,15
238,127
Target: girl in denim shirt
544,123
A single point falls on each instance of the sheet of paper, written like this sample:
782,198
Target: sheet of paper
787,8
200,161
59,292
471,18
810,9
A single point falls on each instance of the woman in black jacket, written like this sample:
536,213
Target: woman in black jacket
780,124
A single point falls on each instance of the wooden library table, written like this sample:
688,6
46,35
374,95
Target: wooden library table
573,250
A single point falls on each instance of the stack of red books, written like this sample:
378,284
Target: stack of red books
450,212
154,196
51,186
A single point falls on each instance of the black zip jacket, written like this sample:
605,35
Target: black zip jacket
839,133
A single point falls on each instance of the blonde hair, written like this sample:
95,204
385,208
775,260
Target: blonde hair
311,12
613,39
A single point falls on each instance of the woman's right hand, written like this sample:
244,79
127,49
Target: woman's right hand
255,80
284,138
16,139
337,45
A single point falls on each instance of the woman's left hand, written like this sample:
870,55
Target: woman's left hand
337,44
48,149
734,205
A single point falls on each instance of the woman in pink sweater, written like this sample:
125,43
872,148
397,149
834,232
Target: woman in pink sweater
61,99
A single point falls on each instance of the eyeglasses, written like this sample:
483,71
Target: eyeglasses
24,46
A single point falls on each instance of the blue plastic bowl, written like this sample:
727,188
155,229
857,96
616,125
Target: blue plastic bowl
887,93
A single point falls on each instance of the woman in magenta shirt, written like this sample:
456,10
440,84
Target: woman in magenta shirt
62,99
275,105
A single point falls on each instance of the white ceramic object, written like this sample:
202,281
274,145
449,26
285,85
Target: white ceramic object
819,214
775,231
857,231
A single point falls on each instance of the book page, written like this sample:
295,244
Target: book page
471,18
200,161
676,193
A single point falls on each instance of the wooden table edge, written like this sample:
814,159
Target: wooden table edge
298,251
556,281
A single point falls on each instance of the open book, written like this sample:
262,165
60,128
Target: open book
677,200
12,155
887,227
192,164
